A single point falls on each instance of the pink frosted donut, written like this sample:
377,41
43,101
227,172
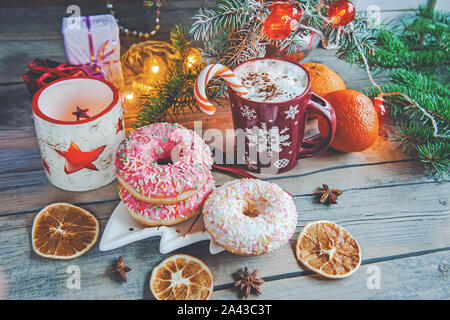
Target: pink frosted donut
169,214
163,163
250,216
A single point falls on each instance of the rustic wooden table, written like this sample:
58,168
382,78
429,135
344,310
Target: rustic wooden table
400,218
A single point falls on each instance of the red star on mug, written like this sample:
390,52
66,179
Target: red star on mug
77,159
81,113
119,125
44,163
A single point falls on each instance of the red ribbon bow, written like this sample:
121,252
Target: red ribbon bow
42,72
96,63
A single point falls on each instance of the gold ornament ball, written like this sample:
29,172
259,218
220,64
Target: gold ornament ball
144,64
155,68
150,58
194,57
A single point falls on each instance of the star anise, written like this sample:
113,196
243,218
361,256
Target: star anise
328,195
248,282
121,269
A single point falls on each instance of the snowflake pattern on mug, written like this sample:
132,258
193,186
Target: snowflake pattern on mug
268,140
281,163
249,163
292,112
248,113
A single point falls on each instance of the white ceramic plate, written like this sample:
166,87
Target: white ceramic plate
121,230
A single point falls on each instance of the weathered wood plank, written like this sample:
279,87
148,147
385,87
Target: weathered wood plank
133,15
387,174
386,221
354,76
130,13
25,187
16,109
414,278
21,166
16,55
34,29
36,37
388,204
388,5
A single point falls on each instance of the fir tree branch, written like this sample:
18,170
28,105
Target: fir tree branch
173,96
419,54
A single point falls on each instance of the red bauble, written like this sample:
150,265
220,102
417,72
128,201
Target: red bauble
276,29
281,21
380,109
287,9
341,12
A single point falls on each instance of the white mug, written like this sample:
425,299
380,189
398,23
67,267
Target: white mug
79,124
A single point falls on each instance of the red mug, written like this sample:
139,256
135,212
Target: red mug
270,135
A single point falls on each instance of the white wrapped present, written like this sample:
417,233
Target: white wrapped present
93,42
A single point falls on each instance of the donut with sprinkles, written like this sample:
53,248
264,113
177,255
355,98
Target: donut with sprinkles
169,214
250,216
163,163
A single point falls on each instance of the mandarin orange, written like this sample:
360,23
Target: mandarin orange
323,79
356,121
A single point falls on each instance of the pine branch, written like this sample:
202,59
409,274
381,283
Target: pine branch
419,55
436,156
406,49
174,96
228,14
414,51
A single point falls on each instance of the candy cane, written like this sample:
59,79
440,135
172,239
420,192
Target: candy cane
209,72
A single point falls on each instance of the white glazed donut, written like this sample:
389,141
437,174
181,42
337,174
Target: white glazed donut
250,216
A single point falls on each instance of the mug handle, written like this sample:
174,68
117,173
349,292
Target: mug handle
320,106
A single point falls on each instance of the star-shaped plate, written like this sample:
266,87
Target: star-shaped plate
121,230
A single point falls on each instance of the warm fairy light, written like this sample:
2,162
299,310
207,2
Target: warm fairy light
141,86
129,97
190,61
155,68
193,58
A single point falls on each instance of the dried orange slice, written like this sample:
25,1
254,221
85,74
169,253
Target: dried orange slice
328,249
64,231
182,277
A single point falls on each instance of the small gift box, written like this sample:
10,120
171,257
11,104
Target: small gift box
43,72
93,42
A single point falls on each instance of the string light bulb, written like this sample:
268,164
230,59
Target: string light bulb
129,98
136,33
193,58
154,68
